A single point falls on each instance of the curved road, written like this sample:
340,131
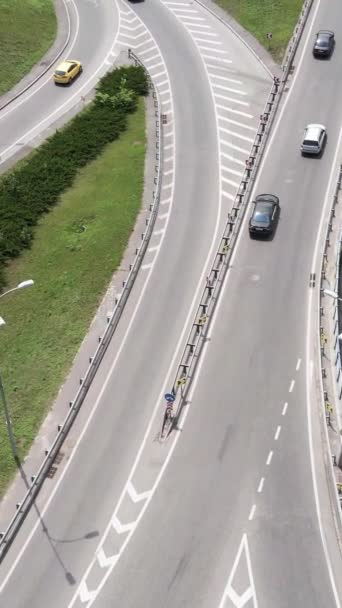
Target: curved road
212,90
93,29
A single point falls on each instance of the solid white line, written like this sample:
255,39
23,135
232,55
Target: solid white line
226,98
155,65
277,433
242,150
238,112
233,171
214,42
206,56
191,19
200,25
230,89
237,123
234,134
269,458
149,51
202,33
310,399
230,182
160,74
291,386
206,48
184,11
261,484
225,77
251,514
284,409
234,160
228,195
298,365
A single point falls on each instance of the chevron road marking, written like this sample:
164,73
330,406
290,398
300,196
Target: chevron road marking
239,601
122,528
84,594
105,561
134,496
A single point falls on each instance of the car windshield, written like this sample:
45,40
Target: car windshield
262,213
310,142
59,73
323,42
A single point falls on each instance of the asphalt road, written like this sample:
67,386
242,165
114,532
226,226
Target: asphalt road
93,29
247,425
236,503
142,357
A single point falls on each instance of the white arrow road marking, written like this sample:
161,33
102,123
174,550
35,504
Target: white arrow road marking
134,496
105,561
240,600
122,528
84,594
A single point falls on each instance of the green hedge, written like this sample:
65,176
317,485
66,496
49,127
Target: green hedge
34,187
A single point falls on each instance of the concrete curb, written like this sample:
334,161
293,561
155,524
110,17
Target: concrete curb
59,46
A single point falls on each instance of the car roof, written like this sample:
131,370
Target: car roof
267,198
314,130
65,64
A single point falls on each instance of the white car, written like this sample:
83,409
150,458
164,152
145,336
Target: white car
313,140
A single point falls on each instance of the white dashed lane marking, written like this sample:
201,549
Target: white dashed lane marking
284,409
277,433
291,386
261,485
269,458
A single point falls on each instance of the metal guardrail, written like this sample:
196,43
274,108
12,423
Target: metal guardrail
205,309
337,374
335,460
210,292
297,34
23,508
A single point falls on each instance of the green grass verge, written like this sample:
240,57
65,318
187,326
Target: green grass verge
27,30
262,16
76,248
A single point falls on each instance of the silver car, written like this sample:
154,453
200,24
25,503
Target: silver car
313,140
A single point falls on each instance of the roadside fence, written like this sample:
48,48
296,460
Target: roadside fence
7,537
200,325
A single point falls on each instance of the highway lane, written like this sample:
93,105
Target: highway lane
56,558
94,26
236,438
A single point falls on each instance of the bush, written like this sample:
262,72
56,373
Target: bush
34,187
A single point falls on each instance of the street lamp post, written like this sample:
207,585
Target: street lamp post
21,285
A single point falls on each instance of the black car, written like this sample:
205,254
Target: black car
265,215
324,43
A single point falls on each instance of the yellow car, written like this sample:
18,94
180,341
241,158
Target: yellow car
67,71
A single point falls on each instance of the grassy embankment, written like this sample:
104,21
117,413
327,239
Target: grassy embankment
76,248
27,31
262,16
